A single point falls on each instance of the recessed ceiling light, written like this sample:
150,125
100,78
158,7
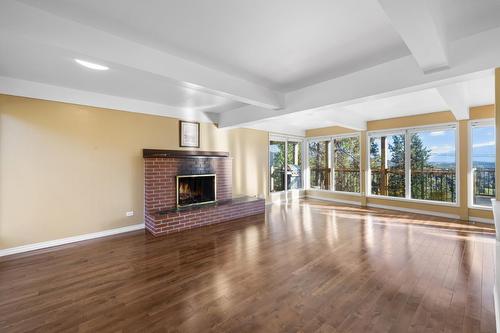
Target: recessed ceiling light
91,65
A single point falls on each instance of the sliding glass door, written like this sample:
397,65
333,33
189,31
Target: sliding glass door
277,165
294,165
285,163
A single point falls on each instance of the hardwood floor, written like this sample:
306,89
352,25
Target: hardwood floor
309,266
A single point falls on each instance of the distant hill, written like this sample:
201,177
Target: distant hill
484,165
477,164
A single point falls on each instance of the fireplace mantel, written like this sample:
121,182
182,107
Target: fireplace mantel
162,153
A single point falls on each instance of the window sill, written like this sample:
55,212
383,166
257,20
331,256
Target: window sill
356,194
287,191
417,201
486,208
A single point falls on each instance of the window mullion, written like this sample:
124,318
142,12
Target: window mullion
332,164
408,164
286,167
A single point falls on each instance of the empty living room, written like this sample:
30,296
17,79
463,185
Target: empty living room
249,166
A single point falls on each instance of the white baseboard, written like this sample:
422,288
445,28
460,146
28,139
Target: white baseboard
497,309
349,202
416,211
497,285
481,220
62,241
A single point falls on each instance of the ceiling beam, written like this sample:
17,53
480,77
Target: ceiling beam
349,120
416,25
23,88
93,44
455,95
472,57
247,115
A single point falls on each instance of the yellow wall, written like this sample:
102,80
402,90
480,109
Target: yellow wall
68,170
418,120
332,130
497,127
482,112
435,118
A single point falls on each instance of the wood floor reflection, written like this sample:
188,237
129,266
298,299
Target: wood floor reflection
307,266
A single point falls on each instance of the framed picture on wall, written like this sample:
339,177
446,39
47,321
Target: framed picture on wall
189,134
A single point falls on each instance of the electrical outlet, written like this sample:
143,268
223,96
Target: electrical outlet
131,213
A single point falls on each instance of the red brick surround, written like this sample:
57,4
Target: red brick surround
174,221
160,175
161,213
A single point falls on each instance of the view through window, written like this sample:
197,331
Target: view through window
277,165
319,165
433,165
347,164
294,165
387,165
285,164
483,163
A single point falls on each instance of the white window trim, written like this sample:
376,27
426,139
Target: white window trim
406,131
331,138
421,201
356,194
286,138
470,186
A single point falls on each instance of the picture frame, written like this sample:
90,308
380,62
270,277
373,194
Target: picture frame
189,134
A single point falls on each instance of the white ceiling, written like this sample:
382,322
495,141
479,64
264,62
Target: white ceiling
466,17
41,63
282,44
480,91
277,65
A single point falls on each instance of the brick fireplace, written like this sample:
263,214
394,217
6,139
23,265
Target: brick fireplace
189,189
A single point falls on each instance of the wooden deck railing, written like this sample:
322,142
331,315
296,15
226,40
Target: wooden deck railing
484,186
437,184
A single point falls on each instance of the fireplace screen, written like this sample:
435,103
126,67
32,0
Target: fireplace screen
195,189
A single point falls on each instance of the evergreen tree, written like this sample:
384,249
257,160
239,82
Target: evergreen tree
396,179
347,161
420,155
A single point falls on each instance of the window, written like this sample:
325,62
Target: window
277,165
294,165
346,164
319,165
387,165
415,164
483,163
285,163
433,165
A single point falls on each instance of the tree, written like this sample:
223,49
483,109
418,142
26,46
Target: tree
420,155
346,157
277,162
396,179
318,164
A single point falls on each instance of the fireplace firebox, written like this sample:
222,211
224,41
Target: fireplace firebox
196,189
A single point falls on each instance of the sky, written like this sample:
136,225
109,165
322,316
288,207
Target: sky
483,144
441,144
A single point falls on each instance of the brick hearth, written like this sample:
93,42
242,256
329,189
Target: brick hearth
161,214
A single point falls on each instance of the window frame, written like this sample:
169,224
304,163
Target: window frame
470,185
407,131
285,138
368,185
331,139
